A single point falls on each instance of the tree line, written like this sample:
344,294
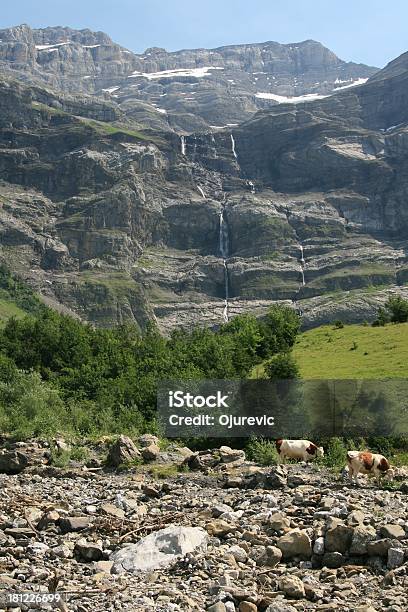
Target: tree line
58,374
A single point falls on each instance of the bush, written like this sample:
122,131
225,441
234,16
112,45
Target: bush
382,318
262,451
338,324
282,367
278,331
398,309
335,456
80,453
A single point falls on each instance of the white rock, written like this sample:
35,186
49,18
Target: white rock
318,547
159,549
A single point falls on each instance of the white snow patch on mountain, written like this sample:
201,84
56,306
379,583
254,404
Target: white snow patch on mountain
179,72
353,84
289,100
51,47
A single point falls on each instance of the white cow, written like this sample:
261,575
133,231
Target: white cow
373,464
298,449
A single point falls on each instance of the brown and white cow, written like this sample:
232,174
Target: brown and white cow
298,449
364,462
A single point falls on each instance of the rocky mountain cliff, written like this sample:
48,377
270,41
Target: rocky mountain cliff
187,90
113,218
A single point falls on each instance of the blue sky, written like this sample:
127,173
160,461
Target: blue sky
368,31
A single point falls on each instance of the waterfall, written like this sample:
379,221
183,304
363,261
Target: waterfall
224,251
251,186
195,148
200,189
233,147
224,246
183,145
302,264
215,146
225,313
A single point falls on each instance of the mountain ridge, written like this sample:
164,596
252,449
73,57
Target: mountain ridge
178,85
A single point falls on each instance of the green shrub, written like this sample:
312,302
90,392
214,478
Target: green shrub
60,459
80,453
398,309
262,451
282,367
335,455
382,318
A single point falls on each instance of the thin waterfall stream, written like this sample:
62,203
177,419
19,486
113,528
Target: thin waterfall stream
302,265
224,252
183,145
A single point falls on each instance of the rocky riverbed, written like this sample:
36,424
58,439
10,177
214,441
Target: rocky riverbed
209,531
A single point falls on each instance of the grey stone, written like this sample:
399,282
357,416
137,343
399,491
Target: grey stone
151,452
393,531
229,455
148,439
292,586
74,523
332,559
338,538
395,558
122,451
361,537
318,547
88,551
159,549
12,462
296,543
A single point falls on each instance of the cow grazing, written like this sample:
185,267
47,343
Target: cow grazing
372,464
298,449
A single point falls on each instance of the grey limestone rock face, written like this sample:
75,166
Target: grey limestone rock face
111,211
187,90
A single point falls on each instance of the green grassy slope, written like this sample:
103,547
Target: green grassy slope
16,298
8,309
356,351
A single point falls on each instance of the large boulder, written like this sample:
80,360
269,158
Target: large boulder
362,535
231,455
122,451
338,538
147,440
379,548
266,555
393,531
12,462
159,549
274,478
296,543
151,452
